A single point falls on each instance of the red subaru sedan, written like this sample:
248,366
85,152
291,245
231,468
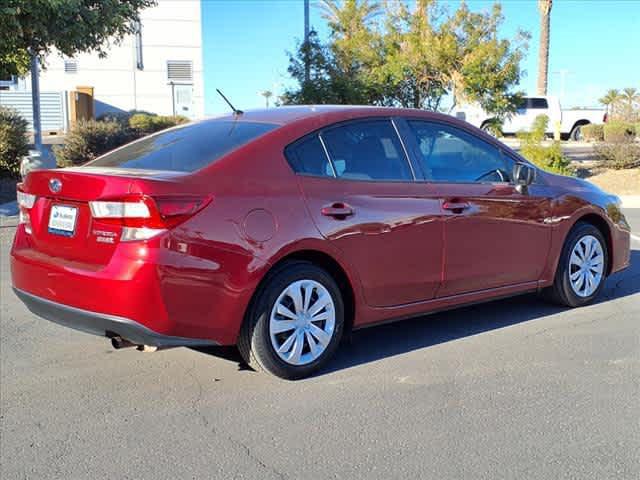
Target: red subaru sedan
280,230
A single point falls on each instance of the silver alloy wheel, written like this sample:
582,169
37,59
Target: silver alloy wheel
586,266
302,322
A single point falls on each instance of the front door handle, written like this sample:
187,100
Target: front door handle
338,210
455,207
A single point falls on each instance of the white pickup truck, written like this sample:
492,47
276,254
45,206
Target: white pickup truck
530,108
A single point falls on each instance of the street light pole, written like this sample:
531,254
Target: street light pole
35,100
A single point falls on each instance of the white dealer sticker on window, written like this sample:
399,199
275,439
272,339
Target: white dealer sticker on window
62,220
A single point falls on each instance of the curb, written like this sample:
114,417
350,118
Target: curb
630,201
9,209
8,222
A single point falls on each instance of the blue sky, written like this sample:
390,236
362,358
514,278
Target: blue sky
595,41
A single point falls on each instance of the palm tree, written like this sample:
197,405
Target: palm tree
543,55
267,94
346,18
630,98
609,100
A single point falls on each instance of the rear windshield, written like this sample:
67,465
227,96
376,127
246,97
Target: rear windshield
184,149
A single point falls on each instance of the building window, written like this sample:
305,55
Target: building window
70,66
180,71
8,81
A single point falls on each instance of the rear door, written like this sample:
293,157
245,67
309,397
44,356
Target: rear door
360,190
494,235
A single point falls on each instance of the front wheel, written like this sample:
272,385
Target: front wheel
295,322
582,267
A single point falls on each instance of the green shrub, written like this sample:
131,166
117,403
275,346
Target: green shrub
548,158
593,132
145,123
119,117
90,139
618,131
142,122
619,155
13,142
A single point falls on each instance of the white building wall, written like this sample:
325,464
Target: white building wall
170,31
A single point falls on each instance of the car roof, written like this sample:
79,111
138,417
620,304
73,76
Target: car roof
290,114
303,119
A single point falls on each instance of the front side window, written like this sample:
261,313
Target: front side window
184,149
451,155
367,150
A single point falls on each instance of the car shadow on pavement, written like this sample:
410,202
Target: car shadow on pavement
391,339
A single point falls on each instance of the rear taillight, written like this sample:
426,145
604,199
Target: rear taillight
143,217
26,201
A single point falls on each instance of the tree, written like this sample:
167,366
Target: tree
622,105
324,84
267,94
630,99
346,18
460,56
544,6
412,57
36,27
609,100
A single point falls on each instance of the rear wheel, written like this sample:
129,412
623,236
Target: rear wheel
582,267
576,133
295,322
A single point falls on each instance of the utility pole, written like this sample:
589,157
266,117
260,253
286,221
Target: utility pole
307,67
563,72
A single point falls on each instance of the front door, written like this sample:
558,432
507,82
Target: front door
494,236
360,190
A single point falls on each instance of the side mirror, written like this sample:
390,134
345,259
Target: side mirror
523,176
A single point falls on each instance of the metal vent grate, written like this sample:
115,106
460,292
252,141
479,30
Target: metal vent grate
179,71
70,66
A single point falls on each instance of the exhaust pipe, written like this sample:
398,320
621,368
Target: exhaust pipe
147,348
119,342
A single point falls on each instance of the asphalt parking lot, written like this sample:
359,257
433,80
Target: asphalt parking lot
510,389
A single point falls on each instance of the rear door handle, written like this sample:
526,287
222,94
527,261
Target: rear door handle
455,207
338,210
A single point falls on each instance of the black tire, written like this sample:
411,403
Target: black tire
576,133
254,341
486,128
561,292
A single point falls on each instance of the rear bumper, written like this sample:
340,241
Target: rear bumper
198,294
102,324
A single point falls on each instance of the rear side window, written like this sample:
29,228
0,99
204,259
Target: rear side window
184,149
308,157
367,150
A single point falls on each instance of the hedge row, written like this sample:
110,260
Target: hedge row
90,139
615,131
13,142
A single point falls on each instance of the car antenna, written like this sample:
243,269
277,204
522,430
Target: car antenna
235,110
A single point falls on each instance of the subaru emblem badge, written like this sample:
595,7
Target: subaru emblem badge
55,185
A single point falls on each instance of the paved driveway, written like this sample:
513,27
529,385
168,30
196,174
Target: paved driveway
511,389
